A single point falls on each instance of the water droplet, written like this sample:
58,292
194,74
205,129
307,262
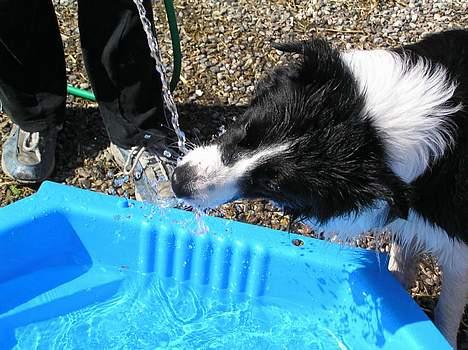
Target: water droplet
118,182
167,154
221,130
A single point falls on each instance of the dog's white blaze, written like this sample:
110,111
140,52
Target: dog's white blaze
215,183
408,104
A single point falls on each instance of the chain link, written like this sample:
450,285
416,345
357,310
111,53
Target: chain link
161,69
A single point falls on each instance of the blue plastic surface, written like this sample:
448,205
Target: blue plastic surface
68,254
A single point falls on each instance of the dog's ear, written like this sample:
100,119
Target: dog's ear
291,47
313,50
321,62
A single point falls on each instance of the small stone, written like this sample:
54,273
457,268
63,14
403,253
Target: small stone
81,172
85,183
429,281
297,242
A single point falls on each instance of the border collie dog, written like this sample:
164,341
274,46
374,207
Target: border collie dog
357,141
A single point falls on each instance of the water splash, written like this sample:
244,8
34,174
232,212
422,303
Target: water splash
120,181
202,228
161,69
155,53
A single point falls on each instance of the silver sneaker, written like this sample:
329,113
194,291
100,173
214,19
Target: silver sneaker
29,157
151,171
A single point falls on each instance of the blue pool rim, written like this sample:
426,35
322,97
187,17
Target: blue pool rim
68,202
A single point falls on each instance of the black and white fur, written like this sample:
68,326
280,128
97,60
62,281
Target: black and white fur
358,141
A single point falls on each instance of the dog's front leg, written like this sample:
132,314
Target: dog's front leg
452,300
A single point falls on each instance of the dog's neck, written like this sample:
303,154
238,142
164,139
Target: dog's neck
409,103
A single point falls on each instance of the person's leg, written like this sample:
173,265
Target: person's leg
32,86
128,90
122,73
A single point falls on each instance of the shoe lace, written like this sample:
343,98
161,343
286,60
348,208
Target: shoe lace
132,159
30,141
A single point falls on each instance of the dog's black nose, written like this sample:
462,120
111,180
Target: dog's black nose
182,179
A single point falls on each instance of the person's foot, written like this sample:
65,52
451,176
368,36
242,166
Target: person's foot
151,168
29,157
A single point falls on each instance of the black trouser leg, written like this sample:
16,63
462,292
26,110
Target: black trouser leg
32,65
120,68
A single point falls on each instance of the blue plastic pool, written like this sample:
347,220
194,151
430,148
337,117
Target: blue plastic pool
81,270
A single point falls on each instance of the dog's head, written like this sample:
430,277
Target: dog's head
303,143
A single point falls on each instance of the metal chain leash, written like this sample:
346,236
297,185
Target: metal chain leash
160,68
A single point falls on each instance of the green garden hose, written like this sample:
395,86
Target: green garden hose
175,39
81,93
176,55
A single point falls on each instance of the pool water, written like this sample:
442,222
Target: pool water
153,313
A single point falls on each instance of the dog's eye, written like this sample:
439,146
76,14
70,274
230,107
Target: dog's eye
245,143
251,138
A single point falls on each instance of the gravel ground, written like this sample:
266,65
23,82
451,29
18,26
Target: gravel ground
226,47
